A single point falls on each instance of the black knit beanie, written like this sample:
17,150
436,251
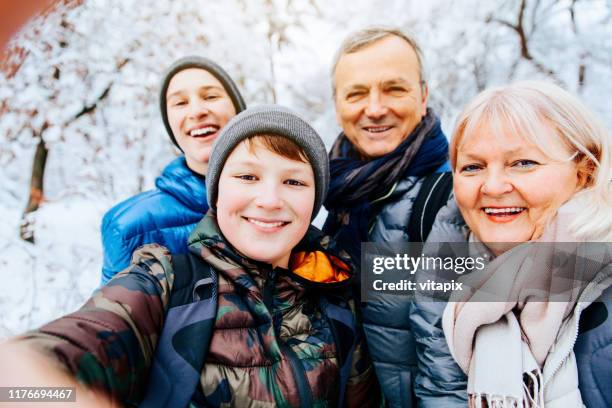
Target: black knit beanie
207,65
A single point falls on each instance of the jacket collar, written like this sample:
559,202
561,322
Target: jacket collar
316,261
184,184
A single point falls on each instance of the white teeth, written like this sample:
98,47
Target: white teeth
203,131
511,210
264,224
379,129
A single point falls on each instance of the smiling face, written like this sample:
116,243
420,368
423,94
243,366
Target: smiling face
379,98
198,107
265,202
507,188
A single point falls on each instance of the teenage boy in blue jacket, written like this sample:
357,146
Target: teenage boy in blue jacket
197,99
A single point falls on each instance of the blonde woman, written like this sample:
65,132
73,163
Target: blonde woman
530,163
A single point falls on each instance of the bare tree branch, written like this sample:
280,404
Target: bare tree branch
36,187
519,29
572,11
36,196
534,13
90,108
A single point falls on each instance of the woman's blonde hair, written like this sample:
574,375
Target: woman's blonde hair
531,109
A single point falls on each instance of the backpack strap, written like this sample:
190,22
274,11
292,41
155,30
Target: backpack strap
344,331
185,337
433,195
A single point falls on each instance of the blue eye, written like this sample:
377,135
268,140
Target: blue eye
525,164
471,168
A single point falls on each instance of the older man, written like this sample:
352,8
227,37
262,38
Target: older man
390,141
391,151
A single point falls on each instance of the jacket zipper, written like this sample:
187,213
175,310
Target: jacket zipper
572,344
577,312
386,195
299,374
373,222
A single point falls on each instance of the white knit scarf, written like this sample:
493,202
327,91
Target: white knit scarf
503,345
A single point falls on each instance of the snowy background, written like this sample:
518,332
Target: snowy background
82,82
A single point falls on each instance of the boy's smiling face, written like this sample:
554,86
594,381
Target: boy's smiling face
198,107
265,202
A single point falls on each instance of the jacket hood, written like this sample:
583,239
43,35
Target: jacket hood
183,184
315,262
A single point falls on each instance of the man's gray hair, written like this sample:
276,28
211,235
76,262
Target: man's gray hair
357,40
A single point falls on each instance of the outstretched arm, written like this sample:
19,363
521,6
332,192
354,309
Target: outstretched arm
33,368
109,343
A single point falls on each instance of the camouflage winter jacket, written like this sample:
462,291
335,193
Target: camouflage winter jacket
269,331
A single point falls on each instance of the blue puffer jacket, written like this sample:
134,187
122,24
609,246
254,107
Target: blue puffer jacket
593,350
441,383
398,333
165,215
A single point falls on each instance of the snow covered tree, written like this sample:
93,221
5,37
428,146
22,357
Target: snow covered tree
79,101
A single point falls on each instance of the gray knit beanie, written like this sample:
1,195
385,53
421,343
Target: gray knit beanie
265,120
207,65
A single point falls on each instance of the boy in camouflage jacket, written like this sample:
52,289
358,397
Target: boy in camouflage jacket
279,287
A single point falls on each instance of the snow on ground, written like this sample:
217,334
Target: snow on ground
55,275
